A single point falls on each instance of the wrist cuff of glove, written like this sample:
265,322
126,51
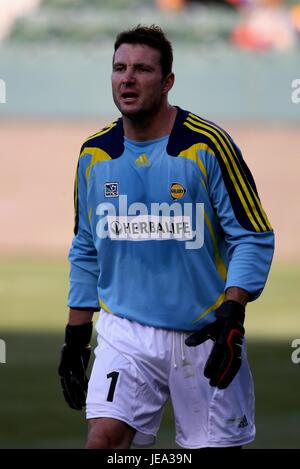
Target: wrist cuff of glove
78,336
231,309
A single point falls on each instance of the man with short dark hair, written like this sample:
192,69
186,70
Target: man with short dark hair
171,242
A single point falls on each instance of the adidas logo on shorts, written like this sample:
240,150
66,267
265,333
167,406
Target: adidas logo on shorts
244,422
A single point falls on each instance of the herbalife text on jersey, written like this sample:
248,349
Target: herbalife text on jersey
159,222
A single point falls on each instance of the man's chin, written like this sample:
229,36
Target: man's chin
136,112
132,114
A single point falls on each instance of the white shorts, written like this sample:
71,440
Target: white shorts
137,368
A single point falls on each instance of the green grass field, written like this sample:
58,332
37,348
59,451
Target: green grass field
33,413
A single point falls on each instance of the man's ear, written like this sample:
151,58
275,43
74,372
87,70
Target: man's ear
168,83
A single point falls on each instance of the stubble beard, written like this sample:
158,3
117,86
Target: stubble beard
143,114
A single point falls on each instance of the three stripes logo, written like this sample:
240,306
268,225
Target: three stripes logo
243,422
142,160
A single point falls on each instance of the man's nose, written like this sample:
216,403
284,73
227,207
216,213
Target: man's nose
129,77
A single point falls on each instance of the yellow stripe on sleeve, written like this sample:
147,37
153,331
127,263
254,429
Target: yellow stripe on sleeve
90,214
262,220
191,154
221,267
76,194
98,156
232,176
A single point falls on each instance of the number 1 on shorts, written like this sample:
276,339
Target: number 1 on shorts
114,378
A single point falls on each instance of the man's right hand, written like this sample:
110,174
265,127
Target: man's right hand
75,355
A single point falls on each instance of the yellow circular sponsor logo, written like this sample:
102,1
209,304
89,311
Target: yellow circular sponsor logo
177,190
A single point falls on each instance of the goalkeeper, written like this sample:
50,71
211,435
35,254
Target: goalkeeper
171,242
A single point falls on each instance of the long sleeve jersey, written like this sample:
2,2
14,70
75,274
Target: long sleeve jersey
164,227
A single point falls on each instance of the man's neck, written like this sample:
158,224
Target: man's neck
151,127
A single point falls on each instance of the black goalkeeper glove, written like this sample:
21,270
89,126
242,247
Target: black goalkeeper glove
227,332
75,355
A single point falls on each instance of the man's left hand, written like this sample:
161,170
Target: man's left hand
227,332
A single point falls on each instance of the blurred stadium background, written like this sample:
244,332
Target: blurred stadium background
235,63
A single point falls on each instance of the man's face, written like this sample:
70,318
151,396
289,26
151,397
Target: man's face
137,82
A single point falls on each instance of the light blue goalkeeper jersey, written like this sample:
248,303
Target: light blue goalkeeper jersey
164,227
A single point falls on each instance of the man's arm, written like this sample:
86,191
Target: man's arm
237,294
82,298
84,268
247,231
79,317
250,246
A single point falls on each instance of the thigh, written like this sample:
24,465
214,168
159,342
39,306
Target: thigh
118,390
206,416
108,433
